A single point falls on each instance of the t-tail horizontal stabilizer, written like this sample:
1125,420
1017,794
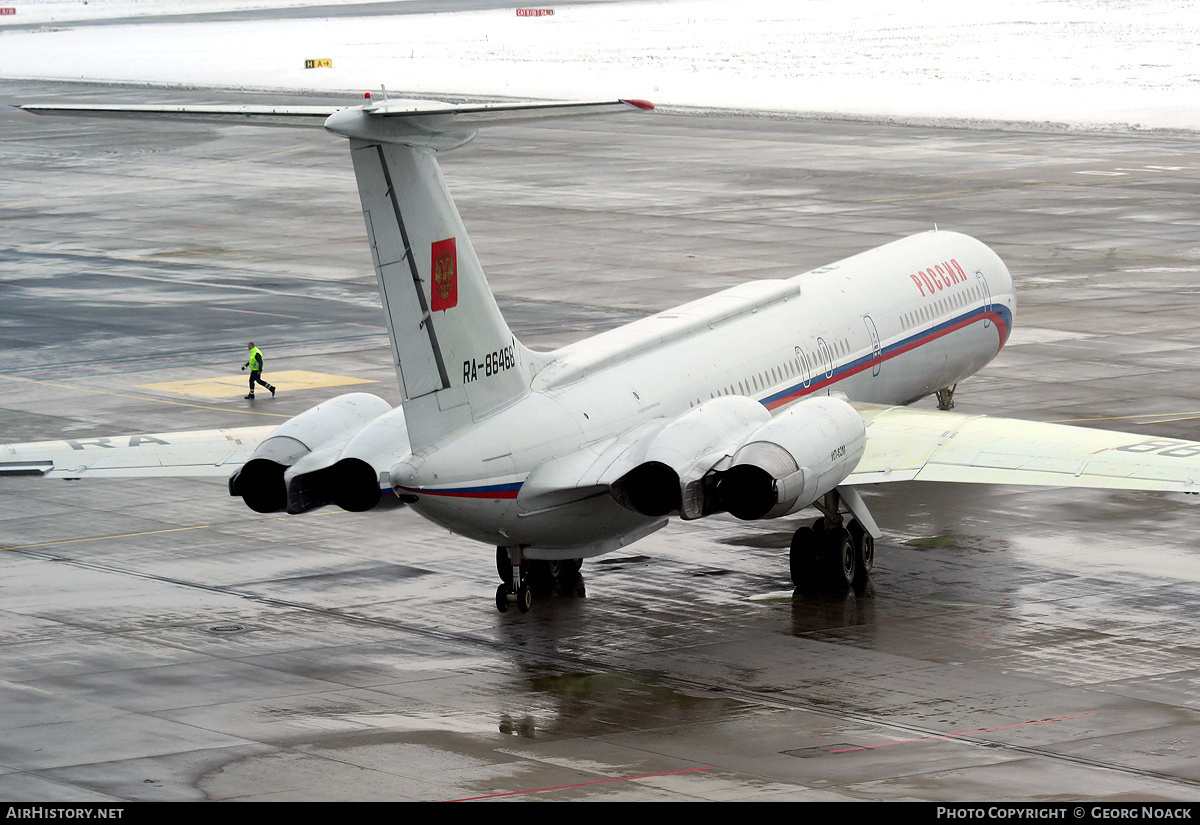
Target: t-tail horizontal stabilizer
447,125
431,123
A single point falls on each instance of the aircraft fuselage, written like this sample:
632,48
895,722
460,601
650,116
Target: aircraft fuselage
888,326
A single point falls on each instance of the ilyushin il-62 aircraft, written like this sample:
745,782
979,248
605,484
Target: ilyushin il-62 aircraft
760,401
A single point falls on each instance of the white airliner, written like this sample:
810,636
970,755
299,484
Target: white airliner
760,401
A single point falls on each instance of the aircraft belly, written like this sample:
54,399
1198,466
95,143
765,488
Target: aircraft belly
478,518
491,518
581,524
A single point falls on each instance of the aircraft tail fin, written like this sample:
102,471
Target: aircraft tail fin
455,355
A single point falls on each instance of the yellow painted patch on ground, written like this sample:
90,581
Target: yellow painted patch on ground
224,386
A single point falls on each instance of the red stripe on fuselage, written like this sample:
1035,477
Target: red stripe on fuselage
933,335
496,494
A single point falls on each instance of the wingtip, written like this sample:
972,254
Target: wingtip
641,104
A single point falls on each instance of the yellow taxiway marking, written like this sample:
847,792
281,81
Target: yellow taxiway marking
1139,418
102,538
224,386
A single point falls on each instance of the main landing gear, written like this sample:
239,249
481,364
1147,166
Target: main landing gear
945,397
521,577
836,551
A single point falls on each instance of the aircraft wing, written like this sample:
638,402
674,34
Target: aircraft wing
214,453
905,444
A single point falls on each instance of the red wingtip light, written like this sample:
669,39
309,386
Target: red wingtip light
641,104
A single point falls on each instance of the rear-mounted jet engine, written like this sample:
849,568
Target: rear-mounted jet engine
275,477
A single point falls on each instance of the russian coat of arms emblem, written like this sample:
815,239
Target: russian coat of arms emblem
445,275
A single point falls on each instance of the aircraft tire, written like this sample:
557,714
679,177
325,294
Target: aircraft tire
524,597
502,598
565,567
841,558
802,556
864,547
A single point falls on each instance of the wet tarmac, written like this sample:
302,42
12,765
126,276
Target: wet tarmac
159,641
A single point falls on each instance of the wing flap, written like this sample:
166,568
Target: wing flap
924,445
214,453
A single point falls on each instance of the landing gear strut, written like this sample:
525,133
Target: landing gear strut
945,397
837,550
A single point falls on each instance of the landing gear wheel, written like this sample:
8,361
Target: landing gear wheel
864,547
518,574
565,567
802,557
841,558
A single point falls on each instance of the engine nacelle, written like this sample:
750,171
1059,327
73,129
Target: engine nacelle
260,481
787,464
669,475
349,473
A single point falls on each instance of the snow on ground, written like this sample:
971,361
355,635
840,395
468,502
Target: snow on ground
68,11
1087,62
